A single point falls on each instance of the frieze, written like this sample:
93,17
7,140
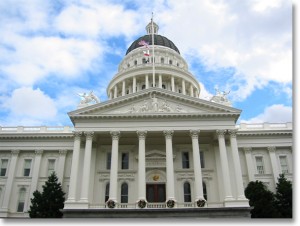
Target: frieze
153,105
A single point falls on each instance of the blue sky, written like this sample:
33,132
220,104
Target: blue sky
52,50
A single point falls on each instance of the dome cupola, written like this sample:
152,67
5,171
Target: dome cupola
153,61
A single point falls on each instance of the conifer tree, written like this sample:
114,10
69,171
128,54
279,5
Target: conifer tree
262,200
284,197
48,203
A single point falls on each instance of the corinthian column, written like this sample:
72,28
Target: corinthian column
224,165
36,171
237,165
142,166
86,167
169,162
113,186
74,168
272,154
10,179
197,165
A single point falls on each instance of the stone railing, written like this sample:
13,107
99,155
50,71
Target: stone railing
157,205
265,126
37,129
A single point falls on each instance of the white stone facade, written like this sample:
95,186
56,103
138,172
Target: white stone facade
153,140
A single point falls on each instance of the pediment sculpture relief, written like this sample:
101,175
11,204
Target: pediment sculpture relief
154,105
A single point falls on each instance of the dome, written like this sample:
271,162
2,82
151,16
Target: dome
158,40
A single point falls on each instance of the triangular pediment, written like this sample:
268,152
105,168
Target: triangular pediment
154,101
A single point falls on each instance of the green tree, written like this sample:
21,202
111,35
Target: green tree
48,203
262,200
284,197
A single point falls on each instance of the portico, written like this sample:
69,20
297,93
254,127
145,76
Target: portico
151,173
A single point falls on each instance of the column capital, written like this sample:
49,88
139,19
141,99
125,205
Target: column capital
15,152
141,134
271,149
247,150
63,151
168,133
115,135
232,132
89,135
77,134
221,133
38,152
194,133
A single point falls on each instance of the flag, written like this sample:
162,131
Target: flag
146,53
143,43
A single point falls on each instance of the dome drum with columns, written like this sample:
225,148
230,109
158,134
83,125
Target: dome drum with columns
135,70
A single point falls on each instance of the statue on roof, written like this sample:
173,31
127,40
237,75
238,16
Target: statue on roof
88,99
221,97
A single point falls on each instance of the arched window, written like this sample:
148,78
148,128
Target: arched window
124,193
170,62
163,86
106,192
21,200
143,86
162,60
187,192
135,62
204,191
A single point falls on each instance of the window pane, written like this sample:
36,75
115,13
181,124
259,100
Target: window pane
283,164
4,163
108,160
125,160
106,192
21,200
20,207
259,165
124,193
27,165
187,192
202,159
51,166
204,191
185,160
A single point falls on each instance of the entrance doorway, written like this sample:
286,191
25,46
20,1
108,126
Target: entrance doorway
156,192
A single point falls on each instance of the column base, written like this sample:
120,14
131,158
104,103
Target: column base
236,203
4,212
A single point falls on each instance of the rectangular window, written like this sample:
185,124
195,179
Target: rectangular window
202,159
4,163
21,201
125,160
108,160
259,165
185,160
51,166
27,166
283,164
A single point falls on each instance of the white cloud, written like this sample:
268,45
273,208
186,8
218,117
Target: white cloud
36,57
276,113
30,105
204,94
229,34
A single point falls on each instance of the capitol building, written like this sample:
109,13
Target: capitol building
153,149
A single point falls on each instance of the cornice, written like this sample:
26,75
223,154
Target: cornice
265,133
35,136
156,115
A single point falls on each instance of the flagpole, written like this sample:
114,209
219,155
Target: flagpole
153,66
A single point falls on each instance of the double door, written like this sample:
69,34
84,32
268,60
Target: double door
156,192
